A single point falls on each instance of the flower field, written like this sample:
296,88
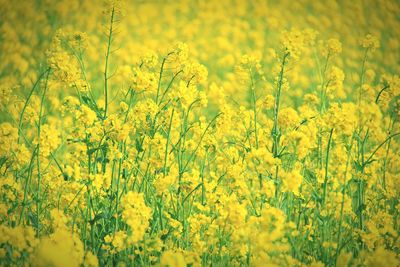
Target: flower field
199,133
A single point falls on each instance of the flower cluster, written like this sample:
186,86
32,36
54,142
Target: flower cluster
199,133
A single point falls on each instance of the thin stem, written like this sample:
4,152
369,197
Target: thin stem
327,164
167,144
38,206
342,203
106,64
253,95
275,130
27,102
360,88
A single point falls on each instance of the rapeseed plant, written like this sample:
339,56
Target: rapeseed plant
199,133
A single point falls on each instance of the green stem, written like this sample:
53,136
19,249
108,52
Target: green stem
38,204
167,144
253,96
360,88
275,130
326,166
106,64
27,184
339,235
27,102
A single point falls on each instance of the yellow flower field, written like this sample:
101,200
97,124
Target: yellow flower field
199,133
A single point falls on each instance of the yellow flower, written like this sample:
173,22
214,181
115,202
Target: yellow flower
371,42
172,259
136,214
333,47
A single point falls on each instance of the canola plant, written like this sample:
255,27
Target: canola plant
199,133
